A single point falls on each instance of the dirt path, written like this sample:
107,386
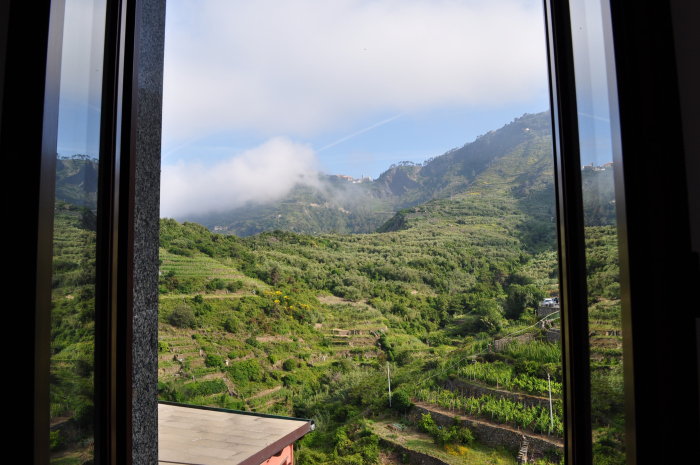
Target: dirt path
61,419
331,300
206,296
265,392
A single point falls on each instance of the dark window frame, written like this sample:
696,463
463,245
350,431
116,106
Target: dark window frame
647,83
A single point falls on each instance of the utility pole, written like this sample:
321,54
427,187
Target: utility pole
389,378
551,416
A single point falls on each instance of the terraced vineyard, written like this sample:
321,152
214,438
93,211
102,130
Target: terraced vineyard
312,326
442,299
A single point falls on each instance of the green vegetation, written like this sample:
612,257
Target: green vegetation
535,418
306,325
73,326
76,180
319,317
456,434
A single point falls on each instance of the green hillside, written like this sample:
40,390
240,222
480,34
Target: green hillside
516,157
73,326
335,205
76,180
306,324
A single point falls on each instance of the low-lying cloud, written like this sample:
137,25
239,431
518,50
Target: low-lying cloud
262,174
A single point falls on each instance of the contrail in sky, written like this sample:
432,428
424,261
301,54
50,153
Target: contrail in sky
599,118
185,144
358,133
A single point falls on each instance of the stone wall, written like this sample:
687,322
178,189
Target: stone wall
553,335
474,390
414,457
499,344
544,311
492,435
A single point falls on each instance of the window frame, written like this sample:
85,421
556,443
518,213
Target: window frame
642,34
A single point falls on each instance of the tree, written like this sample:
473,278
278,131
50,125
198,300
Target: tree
214,361
232,324
521,297
401,401
182,317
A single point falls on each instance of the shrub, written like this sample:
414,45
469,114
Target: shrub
198,299
251,341
454,435
214,361
237,353
243,372
612,291
203,309
205,388
163,346
401,401
56,440
84,413
344,365
289,364
403,358
234,286
273,358
232,325
354,459
84,368
182,317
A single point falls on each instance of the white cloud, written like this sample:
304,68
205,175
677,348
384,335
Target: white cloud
301,67
263,174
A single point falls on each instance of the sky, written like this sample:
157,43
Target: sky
81,78
591,74
262,94
343,87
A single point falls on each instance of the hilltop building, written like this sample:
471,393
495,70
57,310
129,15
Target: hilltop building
590,167
341,177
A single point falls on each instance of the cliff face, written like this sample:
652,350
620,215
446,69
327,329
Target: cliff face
399,180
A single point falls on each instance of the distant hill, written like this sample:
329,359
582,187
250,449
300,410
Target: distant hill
524,144
517,159
76,180
598,198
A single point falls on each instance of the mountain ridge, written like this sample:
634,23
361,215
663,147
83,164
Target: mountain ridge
362,207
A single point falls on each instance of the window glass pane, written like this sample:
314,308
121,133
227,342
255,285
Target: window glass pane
596,105
73,295
358,206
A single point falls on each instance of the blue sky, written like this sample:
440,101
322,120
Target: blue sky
261,94
373,143
591,76
81,78
349,87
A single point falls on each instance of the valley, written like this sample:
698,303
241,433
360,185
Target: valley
438,294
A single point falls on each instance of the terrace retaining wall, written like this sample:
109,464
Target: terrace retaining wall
414,457
475,390
492,435
499,344
553,335
544,311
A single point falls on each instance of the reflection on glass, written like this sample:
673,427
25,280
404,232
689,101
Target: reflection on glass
73,295
594,115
